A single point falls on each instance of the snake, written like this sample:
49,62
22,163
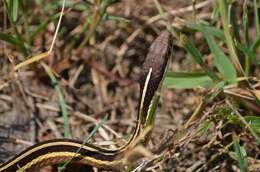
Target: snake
59,151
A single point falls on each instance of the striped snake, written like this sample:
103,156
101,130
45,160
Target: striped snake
62,150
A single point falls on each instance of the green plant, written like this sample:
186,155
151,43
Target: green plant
234,60
25,28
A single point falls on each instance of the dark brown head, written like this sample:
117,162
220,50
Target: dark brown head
156,59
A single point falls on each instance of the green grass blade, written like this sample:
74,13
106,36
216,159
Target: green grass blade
210,29
248,60
217,89
13,7
254,122
221,61
96,19
10,39
249,55
214,15
160,10
190,47
256,44
240,155
116,18
15,28
195,54
245,23
93,132
229,41
187,80
256,18
25,12
80,5
242,119
204,127
164,16
61,100
234,24
43,26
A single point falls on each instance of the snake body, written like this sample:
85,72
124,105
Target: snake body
62,150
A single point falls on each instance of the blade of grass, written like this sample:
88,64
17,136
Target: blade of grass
15,28
233,21
10,39
200,106
256,18
160,10
245,23
93,132
204,127
210,29
14,6
42,26
116,18
214,15
187,80
96,19
240,155
25,12
249,55
213,158
248,60
256,44
242,119
44,54
75,5
62,102
229,41
164,16
221,61
254,122
217,89
195,54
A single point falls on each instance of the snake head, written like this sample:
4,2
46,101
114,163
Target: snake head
156,61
